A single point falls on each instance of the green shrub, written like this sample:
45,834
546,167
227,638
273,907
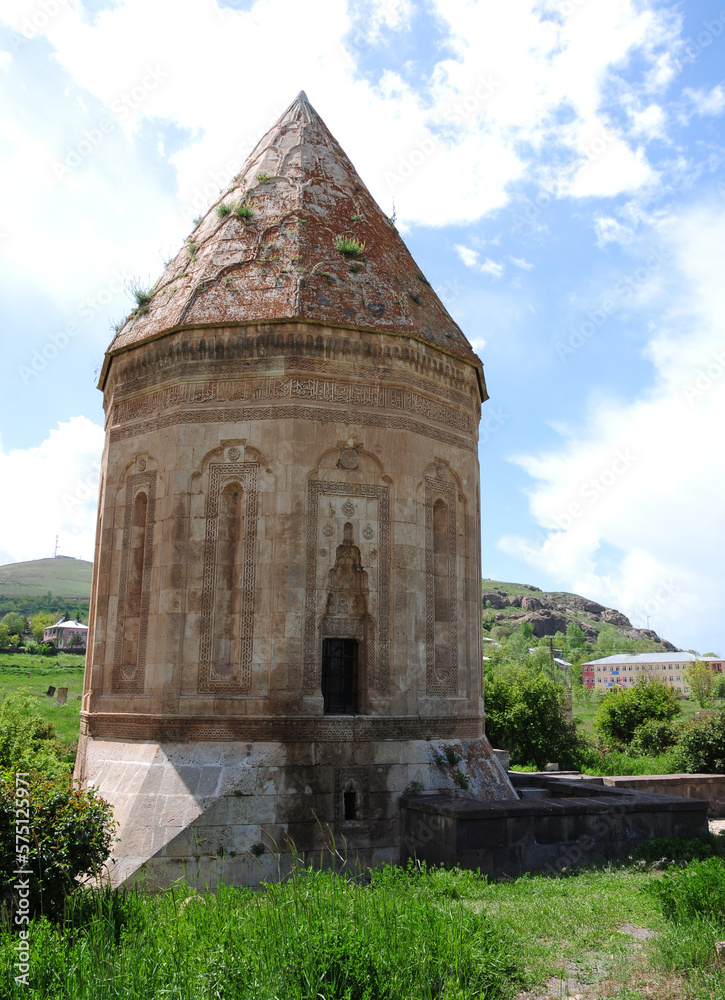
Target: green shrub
524,716
71,833
701,747
654,737
697,891
28,743
70,829
623,712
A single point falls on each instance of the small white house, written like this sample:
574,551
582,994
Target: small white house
60,634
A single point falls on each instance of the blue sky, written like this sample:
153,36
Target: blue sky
558,172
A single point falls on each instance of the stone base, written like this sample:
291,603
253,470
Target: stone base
211,811
568,824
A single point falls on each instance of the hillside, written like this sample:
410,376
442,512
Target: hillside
548,611
63,577
551,611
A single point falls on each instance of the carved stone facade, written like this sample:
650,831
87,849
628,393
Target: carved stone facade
282,499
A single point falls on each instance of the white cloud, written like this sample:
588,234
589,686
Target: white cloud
482,118
705,102
649,121
470,259
630,503
468,256
521,262
609,230
491,267
618,169
52,489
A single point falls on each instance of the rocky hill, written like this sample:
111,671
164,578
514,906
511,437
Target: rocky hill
551,611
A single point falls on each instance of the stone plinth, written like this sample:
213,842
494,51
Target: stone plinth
574,824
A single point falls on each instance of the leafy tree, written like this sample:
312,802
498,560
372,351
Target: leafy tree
718,686
525,717
699,676
75,640
527,630
575,638
624,711
517,647
4,635
40,621
540,660
15,623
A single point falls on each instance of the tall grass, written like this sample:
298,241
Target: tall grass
317,934
692,900
618,763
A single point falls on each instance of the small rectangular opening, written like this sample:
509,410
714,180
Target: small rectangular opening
339,676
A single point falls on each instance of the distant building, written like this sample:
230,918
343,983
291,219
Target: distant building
624,669
60,633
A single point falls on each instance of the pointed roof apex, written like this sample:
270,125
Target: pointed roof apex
297,236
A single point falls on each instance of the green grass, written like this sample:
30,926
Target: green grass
451,935
21,673
69,578
508,588
315,935
349,246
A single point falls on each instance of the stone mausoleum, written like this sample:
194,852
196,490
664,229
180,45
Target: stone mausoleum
285,633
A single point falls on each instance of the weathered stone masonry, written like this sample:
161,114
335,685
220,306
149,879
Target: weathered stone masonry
286,603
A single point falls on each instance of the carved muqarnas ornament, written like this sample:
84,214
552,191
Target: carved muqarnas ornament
348,581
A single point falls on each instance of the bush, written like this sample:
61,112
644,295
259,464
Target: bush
70,829
28,743
654,737
701,747
524,716
71,832
623,712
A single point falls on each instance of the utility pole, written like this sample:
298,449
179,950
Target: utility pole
55,554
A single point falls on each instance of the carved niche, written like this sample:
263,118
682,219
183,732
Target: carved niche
134,590
339,603
227,602
441,613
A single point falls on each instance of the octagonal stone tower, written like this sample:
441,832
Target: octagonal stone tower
285,626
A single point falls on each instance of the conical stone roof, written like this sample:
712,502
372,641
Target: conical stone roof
272,249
